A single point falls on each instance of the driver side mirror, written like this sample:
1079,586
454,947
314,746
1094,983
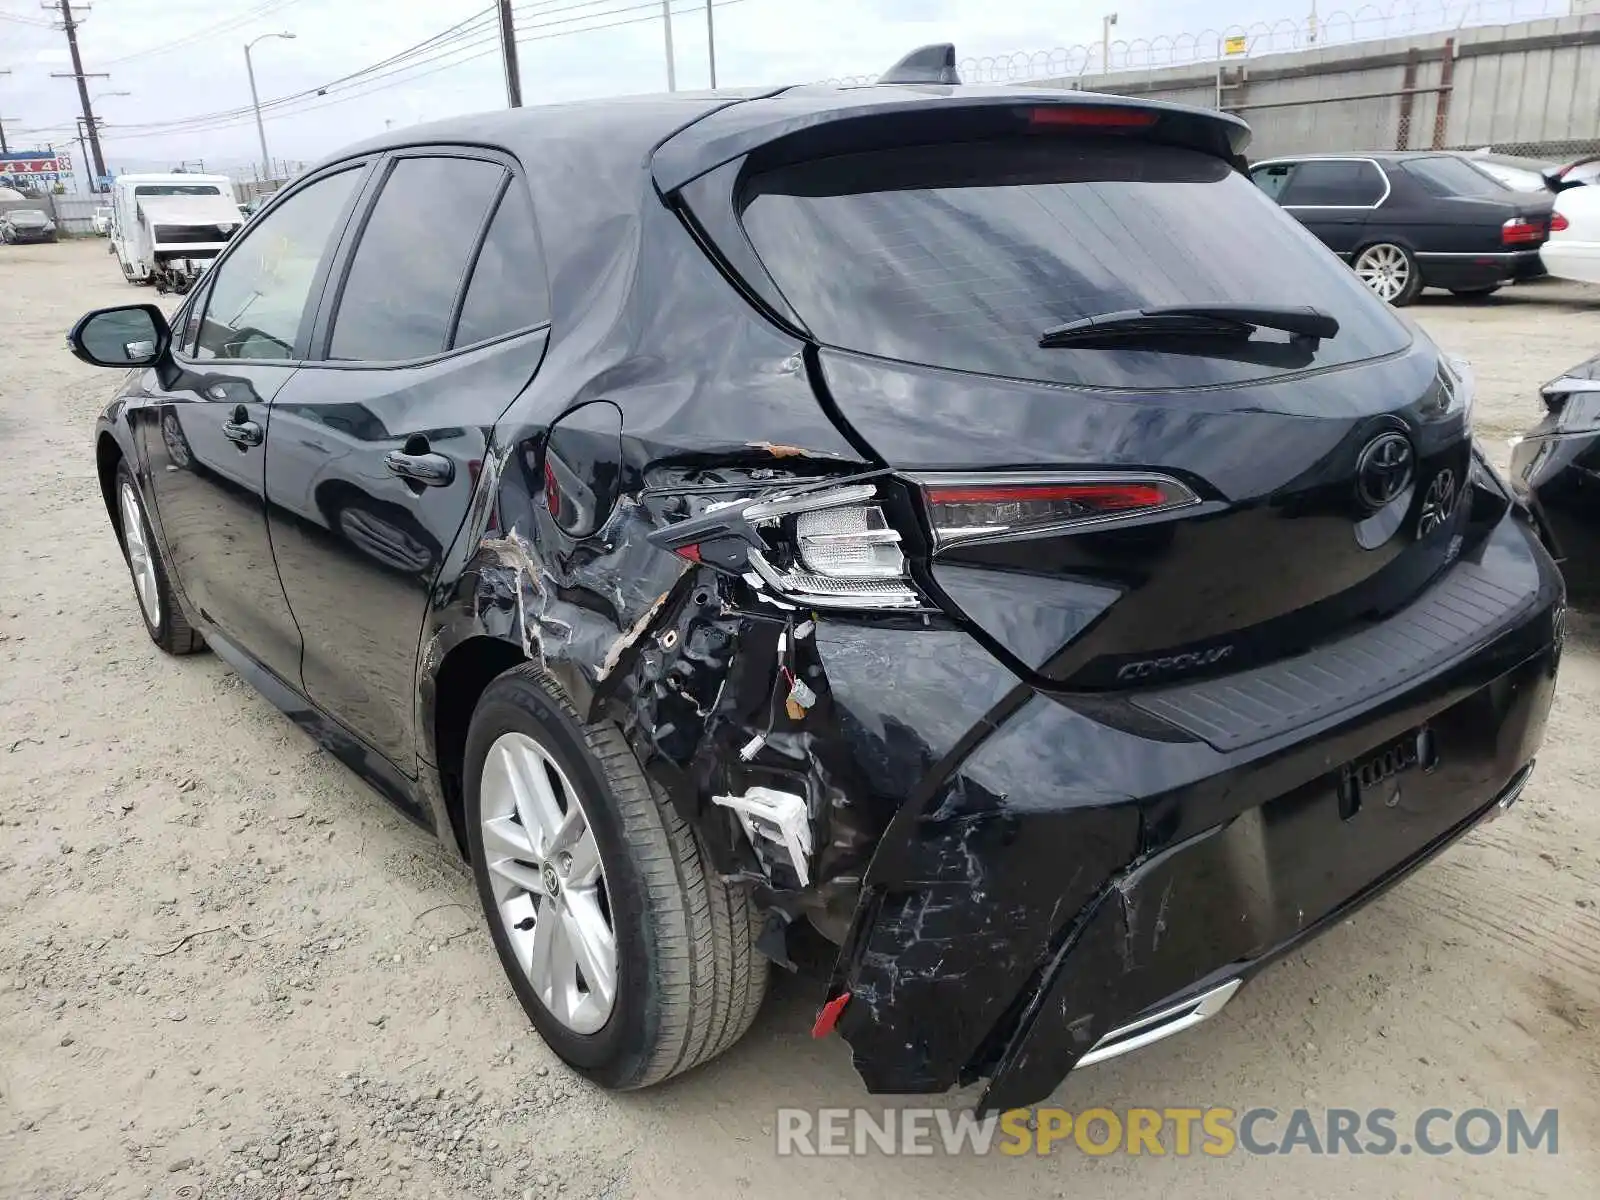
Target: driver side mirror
132,335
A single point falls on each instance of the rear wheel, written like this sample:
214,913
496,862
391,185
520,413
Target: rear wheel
631,957
1390,272
163,619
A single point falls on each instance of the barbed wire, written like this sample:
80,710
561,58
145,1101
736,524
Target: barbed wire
1369,22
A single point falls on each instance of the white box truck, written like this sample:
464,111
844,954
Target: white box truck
166,229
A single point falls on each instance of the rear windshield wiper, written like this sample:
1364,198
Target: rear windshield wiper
1189,320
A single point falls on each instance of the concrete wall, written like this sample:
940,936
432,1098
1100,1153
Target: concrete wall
1532,87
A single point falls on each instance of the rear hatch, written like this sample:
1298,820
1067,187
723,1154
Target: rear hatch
1121,511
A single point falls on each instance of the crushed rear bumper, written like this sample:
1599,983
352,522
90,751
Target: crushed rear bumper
1070,872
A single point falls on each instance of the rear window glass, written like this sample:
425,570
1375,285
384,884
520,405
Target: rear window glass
1445,176
177,189
960,256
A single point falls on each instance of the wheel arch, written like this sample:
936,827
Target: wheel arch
459,680
108,457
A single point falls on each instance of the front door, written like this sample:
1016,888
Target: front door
375,448
204,437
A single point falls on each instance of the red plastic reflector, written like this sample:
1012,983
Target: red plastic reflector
829,1016
1520,230
1086,116
1102,497
1559,223
691,552
552,493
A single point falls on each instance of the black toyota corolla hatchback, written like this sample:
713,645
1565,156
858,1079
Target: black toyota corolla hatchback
975,523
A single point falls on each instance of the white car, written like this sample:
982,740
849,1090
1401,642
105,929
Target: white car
102,221
1573,251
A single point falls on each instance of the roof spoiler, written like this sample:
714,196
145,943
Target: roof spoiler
935,63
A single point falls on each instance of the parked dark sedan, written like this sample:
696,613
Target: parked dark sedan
903,509
22,225
1555,467
1406,221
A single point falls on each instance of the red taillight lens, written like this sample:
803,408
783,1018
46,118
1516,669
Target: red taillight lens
966,509
1088,116
1519,231
1558,223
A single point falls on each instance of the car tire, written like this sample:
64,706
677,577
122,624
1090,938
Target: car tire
1477,293
686,979
152,589
1390,272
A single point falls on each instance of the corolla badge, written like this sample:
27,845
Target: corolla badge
1438,502
1383,470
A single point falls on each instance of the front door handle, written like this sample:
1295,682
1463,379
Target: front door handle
241,430
427,469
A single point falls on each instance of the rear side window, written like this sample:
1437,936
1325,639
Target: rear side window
1446,176
507,291
961,256
1341,183
400,294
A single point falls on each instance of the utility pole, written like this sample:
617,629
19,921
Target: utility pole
4,149
711,45
1106,22
508,51
666,23
85,159
64,7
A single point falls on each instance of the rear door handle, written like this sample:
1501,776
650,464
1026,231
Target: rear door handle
428,469
241,430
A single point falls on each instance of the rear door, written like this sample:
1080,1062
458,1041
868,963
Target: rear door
204,435
927,274
435,318
1333,197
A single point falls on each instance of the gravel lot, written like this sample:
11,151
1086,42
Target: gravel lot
228,969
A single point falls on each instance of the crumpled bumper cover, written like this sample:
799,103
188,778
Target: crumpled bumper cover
1072,873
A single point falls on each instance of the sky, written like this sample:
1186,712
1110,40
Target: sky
179,59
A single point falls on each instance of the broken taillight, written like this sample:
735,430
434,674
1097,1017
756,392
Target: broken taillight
821,547
965,508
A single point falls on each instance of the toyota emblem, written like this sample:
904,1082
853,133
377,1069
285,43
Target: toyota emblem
1383,470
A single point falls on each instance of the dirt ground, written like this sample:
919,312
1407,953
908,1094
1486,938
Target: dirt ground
228,969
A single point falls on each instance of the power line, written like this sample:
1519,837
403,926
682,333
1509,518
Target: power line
479,39
226,25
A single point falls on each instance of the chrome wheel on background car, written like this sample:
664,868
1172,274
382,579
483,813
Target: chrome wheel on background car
548,882
140,562
1389,271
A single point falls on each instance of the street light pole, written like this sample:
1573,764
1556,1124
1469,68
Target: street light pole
1106,22
255,100
711,45
666,23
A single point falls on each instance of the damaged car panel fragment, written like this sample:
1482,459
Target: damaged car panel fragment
748,558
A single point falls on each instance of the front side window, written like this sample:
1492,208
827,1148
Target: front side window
1273,179
259,293
400,296
1339,183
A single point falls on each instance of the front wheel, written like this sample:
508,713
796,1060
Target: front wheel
1390,272
631,957
163,619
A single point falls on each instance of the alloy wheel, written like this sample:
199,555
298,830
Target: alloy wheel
141,557
548,882
1386,270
